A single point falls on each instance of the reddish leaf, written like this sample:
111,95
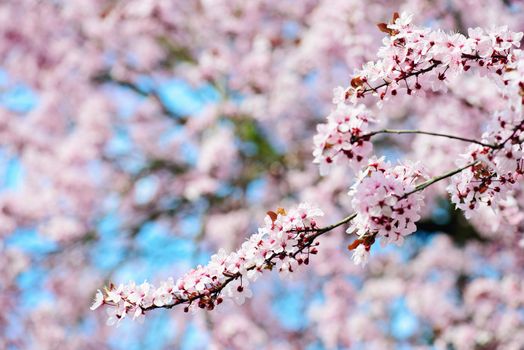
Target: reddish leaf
383,27
272,215
355,244
395,17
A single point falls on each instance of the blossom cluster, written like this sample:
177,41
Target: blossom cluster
283,243
413,59
343,140
495,170
387,204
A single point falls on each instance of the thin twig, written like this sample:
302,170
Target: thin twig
431,181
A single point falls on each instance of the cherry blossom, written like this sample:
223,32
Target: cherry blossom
361,255
381,201
343,138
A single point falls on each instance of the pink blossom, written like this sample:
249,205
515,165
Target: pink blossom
415,58
361,255
99,300
226,275
381,202
343,139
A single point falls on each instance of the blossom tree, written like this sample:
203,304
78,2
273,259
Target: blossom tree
143,138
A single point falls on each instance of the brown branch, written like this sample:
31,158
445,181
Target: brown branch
434,64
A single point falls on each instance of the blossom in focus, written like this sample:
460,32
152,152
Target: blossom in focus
416,58
361,255
226,276
379,197
342,140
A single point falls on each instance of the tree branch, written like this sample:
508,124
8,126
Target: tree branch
400,132
106,77
303,245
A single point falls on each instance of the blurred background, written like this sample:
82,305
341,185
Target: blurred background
138,137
